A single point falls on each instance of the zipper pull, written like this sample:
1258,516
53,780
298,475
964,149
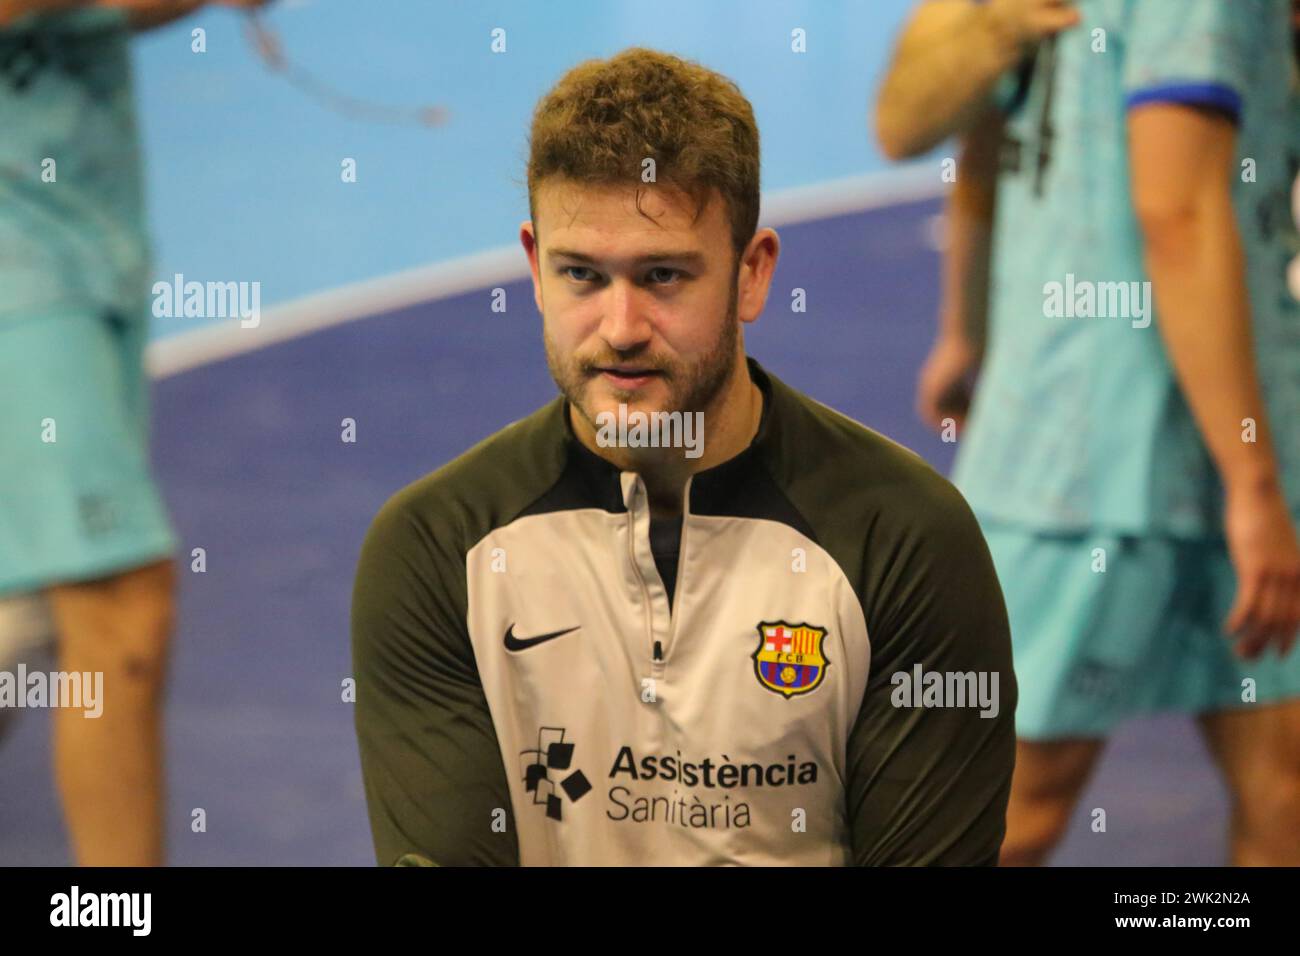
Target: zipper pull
659,651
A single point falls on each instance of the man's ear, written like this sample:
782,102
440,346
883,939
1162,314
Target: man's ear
757,266
528,239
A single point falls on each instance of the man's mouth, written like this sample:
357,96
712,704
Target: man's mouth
628,377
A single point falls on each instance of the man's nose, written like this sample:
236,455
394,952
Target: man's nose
624,322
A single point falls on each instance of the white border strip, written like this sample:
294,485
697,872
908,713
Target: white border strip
442,280
320,310
839,197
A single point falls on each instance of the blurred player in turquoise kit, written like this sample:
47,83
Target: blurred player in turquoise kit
1121,214
85,543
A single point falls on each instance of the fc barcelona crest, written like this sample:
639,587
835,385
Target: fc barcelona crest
790,659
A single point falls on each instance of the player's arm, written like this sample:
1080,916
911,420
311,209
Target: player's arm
11,10
947,61
149,14
430,760
930,785
1183,161
141,14
944,387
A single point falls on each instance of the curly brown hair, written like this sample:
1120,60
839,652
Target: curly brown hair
605,117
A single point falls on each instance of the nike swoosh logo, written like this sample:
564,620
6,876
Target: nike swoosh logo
523,643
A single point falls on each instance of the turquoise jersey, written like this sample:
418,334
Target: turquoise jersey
1078,422
78,241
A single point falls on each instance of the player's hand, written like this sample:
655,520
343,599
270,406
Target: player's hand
1266,556
945,384
1025,22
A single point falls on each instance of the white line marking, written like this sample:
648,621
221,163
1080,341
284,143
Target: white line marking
321,310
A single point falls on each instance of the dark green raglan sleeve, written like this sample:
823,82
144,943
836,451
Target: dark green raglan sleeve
429,754
930,785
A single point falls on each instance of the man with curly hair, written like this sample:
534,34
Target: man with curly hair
595,639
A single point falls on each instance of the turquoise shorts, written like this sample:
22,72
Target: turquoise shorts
77,501
1145,635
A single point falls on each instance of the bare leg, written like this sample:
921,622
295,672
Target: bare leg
109,769
1258,750
1048,779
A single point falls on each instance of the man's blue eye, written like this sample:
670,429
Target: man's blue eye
661,275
